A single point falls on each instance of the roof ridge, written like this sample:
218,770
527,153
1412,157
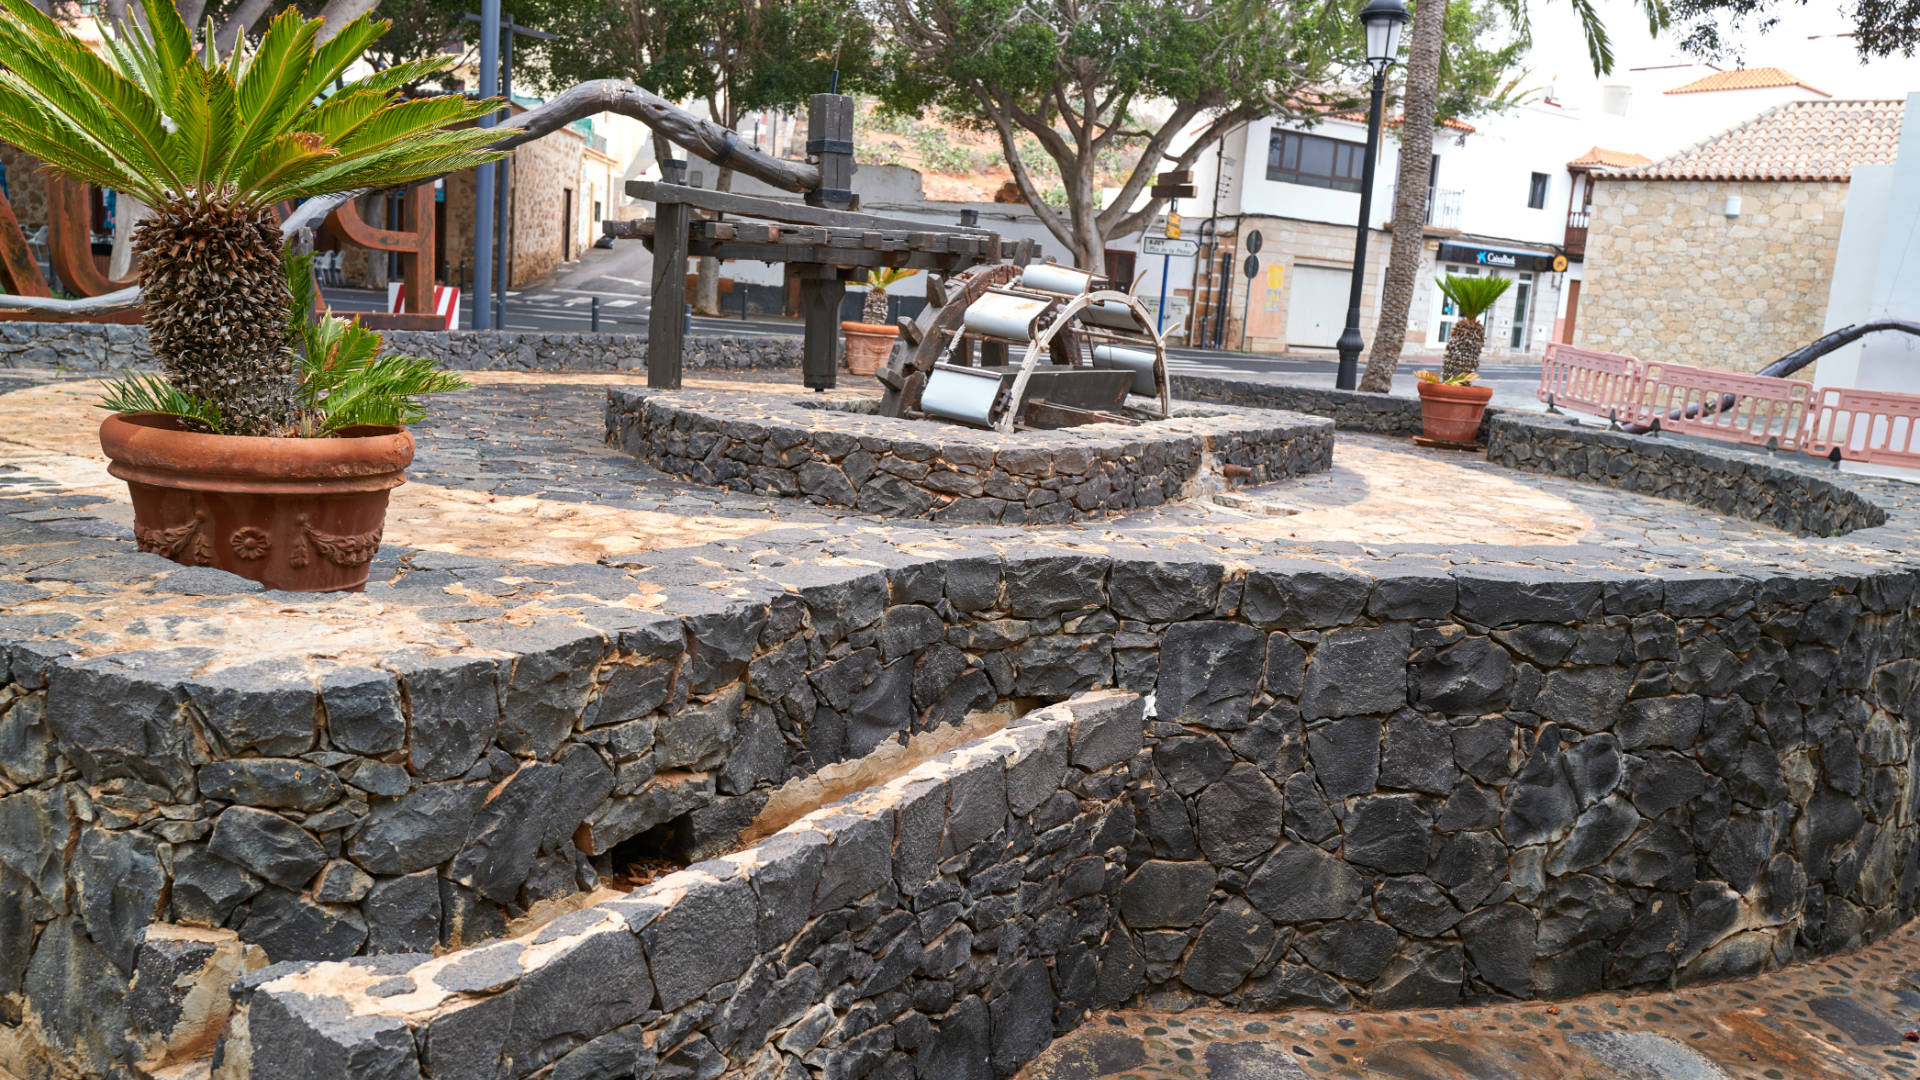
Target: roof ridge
1824,144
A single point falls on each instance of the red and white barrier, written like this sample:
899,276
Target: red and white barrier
1879,427
446,302
1586,380
1695,401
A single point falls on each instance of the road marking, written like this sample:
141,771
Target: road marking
621,303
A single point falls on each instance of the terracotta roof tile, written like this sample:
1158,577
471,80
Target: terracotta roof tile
1801,140
1610,159
1745,79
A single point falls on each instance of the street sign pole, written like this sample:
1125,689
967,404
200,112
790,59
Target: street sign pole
1166,263
483,176
1246,306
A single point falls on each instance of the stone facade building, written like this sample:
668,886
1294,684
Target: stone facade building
1722,255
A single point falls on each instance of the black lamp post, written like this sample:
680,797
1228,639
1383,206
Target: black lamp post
1382,20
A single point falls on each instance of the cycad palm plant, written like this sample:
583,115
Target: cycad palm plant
879,280
1472,297
211,143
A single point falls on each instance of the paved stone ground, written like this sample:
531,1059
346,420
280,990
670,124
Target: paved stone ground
1844,1018
516,447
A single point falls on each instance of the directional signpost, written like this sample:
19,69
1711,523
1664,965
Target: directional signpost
1175,185
1160,245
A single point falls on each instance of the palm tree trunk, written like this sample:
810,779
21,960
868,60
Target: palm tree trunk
1410,194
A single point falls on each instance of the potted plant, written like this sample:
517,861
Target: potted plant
1450,405
260,450
870,340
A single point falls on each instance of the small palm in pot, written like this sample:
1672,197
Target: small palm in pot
1472,297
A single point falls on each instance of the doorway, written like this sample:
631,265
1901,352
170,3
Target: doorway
1573,312
566,224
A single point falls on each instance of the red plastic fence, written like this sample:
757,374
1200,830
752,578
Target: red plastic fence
1877,426
1695,401
1586,380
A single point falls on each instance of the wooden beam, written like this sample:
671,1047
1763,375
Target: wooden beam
821,292
726,202
666,321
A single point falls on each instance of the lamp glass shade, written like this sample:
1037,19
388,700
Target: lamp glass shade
1383,20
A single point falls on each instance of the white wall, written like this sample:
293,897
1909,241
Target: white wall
1259,195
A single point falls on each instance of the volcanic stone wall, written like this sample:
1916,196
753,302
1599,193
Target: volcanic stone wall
949,472
942,925
1790,491
106,347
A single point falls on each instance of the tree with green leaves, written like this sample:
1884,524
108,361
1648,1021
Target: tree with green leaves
1074,77
211,142
735,56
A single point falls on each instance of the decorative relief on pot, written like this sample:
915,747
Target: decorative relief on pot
182,543
354,549
250,543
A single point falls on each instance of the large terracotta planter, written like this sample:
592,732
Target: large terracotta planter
298,514
868,346
1451,414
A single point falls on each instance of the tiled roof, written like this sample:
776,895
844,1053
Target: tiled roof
1801,140
1745,79
1609,159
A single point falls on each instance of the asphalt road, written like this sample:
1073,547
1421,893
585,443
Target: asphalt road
618,278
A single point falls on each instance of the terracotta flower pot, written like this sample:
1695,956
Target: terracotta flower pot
1452,413
298,514
868,346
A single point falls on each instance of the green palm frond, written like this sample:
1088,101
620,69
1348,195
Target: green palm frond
345,382
154,394
151,116
1473,294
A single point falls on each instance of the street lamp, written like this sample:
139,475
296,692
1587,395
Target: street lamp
1382,20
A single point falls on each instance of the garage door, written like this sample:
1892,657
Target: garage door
1317,306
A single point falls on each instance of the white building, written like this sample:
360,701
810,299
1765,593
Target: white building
1508,195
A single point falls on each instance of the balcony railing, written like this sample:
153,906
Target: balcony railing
1576,240
1443,207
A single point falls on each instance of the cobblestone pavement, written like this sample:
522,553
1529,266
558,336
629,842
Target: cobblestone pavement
519,447
1844,1018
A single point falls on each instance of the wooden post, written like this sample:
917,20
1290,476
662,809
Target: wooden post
417,266
830,141
666,318
821,293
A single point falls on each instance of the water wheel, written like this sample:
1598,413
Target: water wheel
924,337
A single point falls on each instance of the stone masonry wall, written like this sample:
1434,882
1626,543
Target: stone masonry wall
1411,790
942,925
103,347
1670,277
950,472
1423,782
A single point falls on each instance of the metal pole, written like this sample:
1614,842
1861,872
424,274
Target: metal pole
1246,313
503,236
1166,263
596,314
1350,344
483,176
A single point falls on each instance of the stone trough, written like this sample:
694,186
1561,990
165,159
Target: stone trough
1257,775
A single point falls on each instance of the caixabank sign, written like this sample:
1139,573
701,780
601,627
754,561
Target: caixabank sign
1505,260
